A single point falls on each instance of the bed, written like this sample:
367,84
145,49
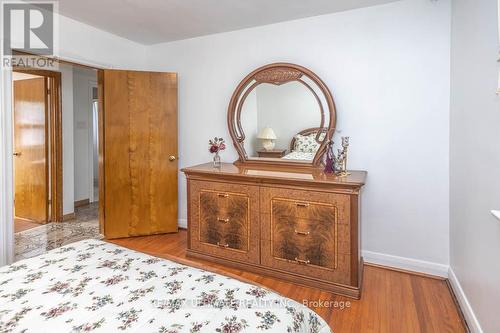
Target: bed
304,145
96,286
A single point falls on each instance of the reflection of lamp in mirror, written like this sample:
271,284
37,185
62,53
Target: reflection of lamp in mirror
267,136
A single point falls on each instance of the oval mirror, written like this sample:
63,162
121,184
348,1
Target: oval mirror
281,114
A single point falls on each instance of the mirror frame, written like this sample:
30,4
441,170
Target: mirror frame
278,74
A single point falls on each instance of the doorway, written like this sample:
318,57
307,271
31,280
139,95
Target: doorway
36,153
84,83
137,186
66,119
95,143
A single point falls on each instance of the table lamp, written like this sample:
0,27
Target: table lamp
267,136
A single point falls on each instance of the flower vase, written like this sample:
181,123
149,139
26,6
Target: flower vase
217,163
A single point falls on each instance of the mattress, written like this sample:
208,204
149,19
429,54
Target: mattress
94,286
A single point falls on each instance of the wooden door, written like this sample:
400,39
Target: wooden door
140,153
30,150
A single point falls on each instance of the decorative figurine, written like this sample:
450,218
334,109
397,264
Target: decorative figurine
341,159
329,161
215,146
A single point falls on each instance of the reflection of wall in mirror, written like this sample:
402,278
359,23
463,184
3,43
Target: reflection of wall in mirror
287,109
249,123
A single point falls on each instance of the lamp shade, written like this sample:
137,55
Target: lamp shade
266,133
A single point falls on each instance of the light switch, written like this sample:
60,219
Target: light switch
496,213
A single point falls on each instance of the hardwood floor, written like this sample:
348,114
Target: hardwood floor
22,225
392,301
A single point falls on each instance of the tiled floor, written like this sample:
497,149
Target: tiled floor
33,242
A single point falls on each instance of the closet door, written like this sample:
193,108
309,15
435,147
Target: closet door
138,153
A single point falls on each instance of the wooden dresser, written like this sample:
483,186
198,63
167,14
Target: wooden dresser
298,224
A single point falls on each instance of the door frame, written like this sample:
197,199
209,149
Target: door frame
91,85
54,132
100,121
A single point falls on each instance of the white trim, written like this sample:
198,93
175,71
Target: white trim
182,223
470,316
6,170
496,213
409,264
90,122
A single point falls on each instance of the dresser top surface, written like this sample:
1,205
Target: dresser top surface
317,175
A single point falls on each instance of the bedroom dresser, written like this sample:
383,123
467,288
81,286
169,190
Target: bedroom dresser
298,224
283,215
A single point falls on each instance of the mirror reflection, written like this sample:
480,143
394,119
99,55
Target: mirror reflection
282,121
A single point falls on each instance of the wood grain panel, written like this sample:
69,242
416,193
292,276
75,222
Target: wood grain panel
30,149
314,241
140,133
224,220
300,232
318,203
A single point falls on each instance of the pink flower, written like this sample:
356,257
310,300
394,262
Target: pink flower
216,145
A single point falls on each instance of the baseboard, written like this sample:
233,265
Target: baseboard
182,223
81,203
470,316
412,265
407,264
68,217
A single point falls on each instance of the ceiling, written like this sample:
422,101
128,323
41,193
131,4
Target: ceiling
155,21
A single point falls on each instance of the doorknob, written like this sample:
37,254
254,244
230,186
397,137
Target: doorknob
17,154
172,158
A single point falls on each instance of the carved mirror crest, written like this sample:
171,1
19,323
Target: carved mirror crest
281,114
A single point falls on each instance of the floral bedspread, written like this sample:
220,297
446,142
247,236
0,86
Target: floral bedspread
298,155
96,286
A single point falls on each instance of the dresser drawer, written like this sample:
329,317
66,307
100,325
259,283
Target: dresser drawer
335,237
302,209
306,232
224,220
305,204
330,268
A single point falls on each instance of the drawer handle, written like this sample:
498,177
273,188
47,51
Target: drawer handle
223,195
302,233
222,220
302,204
224,246
302,262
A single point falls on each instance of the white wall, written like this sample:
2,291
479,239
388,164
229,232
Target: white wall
475,160
287,109
86,44
388,68
83,80
250,124
6,169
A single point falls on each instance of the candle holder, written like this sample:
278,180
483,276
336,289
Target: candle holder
340,161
